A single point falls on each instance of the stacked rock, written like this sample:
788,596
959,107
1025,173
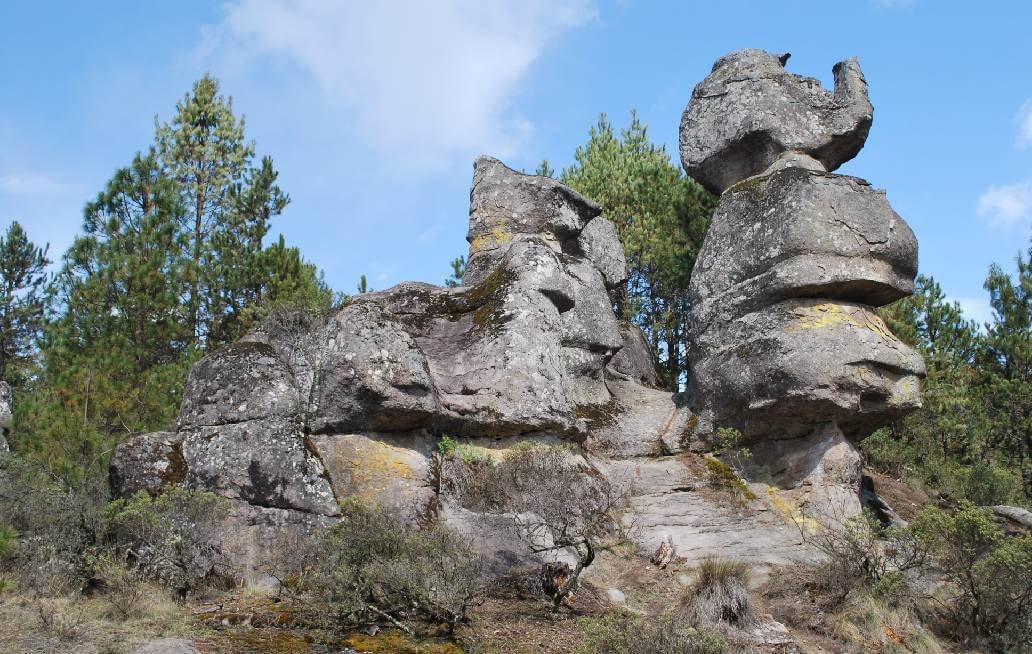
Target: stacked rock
785,338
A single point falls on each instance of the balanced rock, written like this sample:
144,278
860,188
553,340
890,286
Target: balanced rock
749,111
785,339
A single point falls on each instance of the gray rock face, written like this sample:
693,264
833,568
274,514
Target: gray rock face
299,415
245,381
149,462
749,111
168,646
5,415
268,463
785,339
506,206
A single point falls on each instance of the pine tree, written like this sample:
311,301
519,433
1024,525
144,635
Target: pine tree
661,217
115,359
1007,366
23,301
204,150
243,265
458,266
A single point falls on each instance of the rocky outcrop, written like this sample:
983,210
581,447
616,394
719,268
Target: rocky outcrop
299,415
5,415
785,346
785,339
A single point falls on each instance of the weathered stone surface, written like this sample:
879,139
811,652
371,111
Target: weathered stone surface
392,470
634,362
781,371
148,462
784,337
168,646
268,463
243,381
5,415
798,233
817,475
257,538
506,205
601,245
670,504
371,374
638,422
749,110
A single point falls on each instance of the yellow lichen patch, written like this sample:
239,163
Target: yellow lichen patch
791,511
398,644
366,467
498,236
828,314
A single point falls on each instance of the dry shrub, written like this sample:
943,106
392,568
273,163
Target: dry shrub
557,502
372,567
720,594
623,632
58,619
174,538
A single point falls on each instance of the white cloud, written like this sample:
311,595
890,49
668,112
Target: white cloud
1007,204
975,308
28,184
421,82
1024,120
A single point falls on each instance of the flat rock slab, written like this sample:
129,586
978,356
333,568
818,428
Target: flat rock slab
669,505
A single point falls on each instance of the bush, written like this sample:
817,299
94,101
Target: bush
56,526
859,552
557,503
465,452
624,632
173,538
372,567
720,594
990,573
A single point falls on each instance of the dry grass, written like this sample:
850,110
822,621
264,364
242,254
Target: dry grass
720,594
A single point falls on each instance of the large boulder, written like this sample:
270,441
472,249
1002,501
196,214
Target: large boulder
749,111
506,206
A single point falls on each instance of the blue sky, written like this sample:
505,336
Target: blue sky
374,112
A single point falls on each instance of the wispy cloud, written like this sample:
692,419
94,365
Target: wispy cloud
28,184
1024,120
1007,205
421,82
975,308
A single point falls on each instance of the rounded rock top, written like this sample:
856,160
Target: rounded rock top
749,111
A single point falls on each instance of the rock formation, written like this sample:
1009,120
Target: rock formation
295,417
786,347
785,342
5,414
